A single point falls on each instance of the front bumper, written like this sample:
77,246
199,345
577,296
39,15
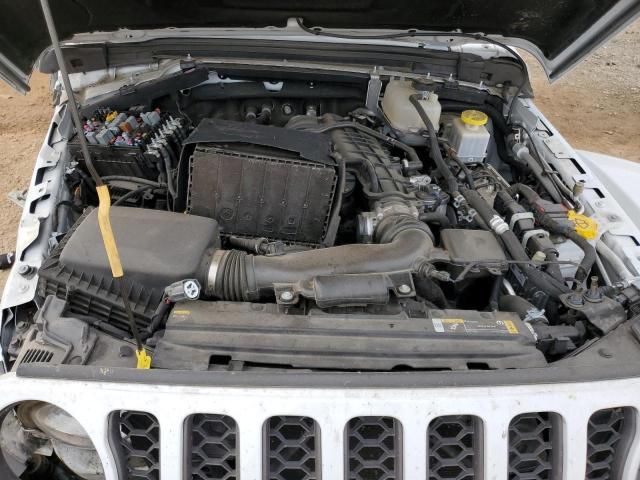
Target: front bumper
93,395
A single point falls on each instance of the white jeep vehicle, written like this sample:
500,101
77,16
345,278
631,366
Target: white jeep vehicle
299,240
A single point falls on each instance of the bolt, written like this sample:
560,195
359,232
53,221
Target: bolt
404,289
576,300
594,295
603,352
23,288
24,270
286,296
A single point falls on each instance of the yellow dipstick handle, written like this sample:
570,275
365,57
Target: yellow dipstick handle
104,206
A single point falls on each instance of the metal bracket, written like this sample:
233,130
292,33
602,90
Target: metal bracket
516,217
532,233
374,88
556,147
19,197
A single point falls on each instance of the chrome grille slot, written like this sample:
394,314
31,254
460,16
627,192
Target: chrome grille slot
534,444
374,448
211,447
454,448
292,448
137,439
608,439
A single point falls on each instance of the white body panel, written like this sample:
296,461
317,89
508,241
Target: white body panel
92,402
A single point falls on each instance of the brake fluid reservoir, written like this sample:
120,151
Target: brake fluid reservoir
469,136
401,114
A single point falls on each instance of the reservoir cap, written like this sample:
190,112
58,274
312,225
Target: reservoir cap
474,118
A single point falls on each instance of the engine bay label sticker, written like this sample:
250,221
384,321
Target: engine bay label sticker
461,325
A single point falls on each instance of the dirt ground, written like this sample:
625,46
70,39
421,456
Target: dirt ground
596,107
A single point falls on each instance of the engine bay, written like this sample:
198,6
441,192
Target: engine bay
296,224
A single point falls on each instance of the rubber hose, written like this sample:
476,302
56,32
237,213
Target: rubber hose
435,217
541,280
519,305
239,276
436,154
495,293
552,225
428,290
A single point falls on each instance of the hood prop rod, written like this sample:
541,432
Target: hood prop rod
104,200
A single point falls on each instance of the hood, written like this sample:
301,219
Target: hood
558,32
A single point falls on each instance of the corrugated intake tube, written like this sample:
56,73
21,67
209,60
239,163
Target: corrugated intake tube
238,276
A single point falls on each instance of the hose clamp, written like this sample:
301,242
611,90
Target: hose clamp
498,225
535,315
212,272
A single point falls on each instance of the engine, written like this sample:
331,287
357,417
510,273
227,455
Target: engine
314,233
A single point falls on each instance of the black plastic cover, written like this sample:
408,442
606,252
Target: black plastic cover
156,248
245,335
256,193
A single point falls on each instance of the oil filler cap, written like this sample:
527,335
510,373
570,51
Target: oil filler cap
474,118
584,226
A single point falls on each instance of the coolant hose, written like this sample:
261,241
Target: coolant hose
237,276
547,222
525,309
541,280
436,154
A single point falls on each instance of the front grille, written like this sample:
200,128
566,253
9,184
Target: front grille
607,444
373,445
532,447
292,445
211,446
454,448
138,443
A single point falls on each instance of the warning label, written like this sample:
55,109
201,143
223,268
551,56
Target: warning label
461,325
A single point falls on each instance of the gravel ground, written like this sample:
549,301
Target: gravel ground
596,107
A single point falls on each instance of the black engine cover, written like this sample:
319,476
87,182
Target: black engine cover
262,181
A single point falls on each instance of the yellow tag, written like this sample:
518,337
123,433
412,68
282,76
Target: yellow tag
104,206
584,226
511,327
111,117
144,360
452,320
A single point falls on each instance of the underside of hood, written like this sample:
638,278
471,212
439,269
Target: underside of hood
558,32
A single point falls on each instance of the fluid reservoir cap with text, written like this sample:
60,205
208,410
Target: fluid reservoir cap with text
474,118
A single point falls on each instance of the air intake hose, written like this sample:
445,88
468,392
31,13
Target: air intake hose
238,276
